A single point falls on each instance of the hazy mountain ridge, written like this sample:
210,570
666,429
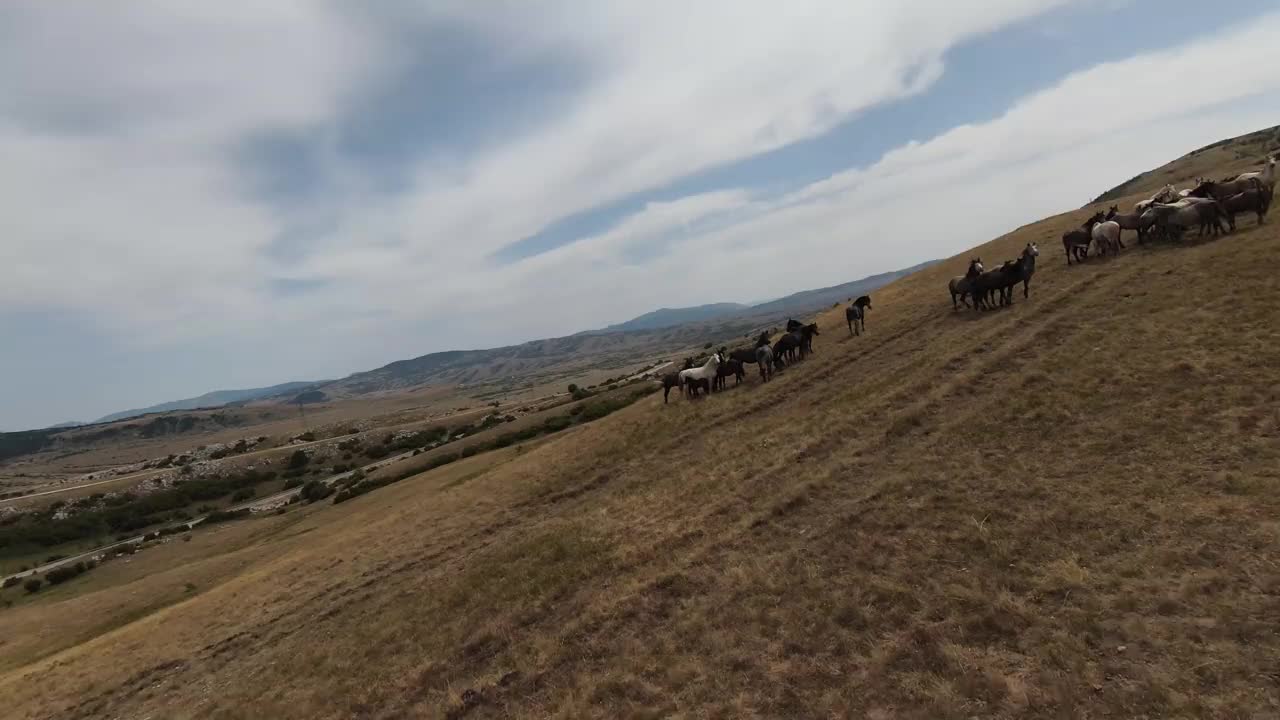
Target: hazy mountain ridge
217,398
670,317
654,332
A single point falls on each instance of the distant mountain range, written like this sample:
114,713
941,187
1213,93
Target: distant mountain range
670,317
653,332
217,398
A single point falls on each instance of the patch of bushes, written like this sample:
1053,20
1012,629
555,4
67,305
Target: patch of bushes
218,516
32,585
59,575
298,460
244,494
124,513
11,581
315,491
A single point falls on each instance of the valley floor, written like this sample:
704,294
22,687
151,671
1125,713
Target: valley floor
1067,508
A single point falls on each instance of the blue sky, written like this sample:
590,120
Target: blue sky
205,197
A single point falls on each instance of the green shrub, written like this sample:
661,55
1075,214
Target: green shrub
59,575
315,491
244,494
557,423
32,585
11,581
298,460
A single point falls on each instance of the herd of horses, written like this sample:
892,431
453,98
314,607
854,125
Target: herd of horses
1211,206
795,344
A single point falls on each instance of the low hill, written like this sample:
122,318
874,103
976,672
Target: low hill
214,399
1066,508
669,317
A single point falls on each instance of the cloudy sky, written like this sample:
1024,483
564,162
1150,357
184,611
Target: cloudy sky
203,195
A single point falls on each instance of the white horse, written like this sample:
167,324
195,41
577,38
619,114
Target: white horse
706,372
1187,192
1168,193
1106,235
1267,175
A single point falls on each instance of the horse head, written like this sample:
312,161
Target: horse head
1112,212
864,301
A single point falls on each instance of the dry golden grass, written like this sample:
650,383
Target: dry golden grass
1064,509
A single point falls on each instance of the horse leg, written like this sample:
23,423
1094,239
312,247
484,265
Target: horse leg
1026,288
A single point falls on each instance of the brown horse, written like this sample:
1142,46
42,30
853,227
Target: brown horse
1076,242
961,285
1129,221
1257,199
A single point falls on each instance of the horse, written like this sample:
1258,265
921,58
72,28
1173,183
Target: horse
764,358
784,348
1266,176
1174,218
1222,189
1257,199
669,381
807,334
1127,221
793,325
1076,242
1166,194
1106,235
692,385
1005,278
988,281
1026,268
729,368
706,372
856,314
960,286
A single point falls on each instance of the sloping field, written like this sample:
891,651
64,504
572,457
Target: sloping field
1068,508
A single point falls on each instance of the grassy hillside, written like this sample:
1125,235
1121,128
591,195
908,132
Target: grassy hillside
1063,509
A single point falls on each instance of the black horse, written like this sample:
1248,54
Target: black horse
670,380
693,385
729,368
856,315
807,333
785,349
1076,242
